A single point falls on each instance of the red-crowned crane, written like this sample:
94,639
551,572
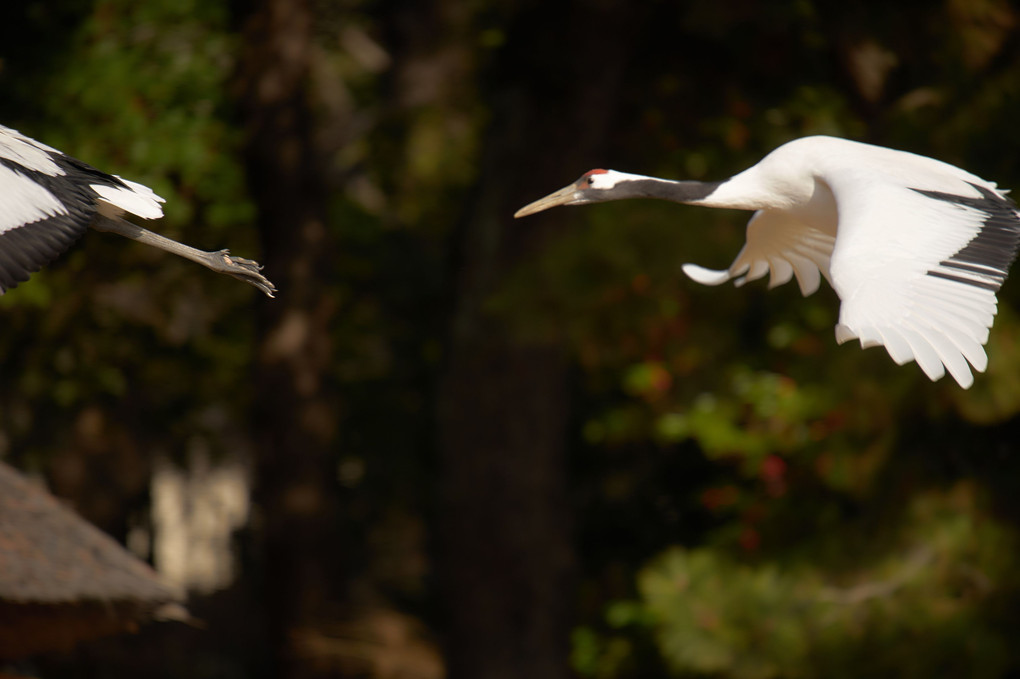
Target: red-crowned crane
48,200
915,248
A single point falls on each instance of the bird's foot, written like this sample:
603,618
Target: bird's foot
242,269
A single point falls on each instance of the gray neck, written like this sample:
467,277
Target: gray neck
664,189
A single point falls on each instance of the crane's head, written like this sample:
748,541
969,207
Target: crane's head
594,186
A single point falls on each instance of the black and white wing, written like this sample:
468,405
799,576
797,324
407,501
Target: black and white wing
48,200
917,265
780,244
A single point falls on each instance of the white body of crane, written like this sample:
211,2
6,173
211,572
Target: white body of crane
915,248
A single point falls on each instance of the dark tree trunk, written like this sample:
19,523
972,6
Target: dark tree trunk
506,555
296,407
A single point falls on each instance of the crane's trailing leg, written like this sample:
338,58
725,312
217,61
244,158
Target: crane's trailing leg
219,261
49,199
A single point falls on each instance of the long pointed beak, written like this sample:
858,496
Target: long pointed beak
564,196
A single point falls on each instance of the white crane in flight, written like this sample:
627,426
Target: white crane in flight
915,248
48,200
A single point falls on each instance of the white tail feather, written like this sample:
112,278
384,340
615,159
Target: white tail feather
136,199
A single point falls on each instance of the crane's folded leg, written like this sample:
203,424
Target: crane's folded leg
220,261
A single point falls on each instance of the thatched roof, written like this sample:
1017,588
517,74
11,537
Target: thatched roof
63,580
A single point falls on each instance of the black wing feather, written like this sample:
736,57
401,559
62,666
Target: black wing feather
27,248
993,248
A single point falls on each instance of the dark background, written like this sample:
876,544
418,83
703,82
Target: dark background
469,446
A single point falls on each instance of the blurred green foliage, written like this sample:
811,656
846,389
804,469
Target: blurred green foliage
929,588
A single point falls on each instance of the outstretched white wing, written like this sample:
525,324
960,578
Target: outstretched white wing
780,244
917,266
920,250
